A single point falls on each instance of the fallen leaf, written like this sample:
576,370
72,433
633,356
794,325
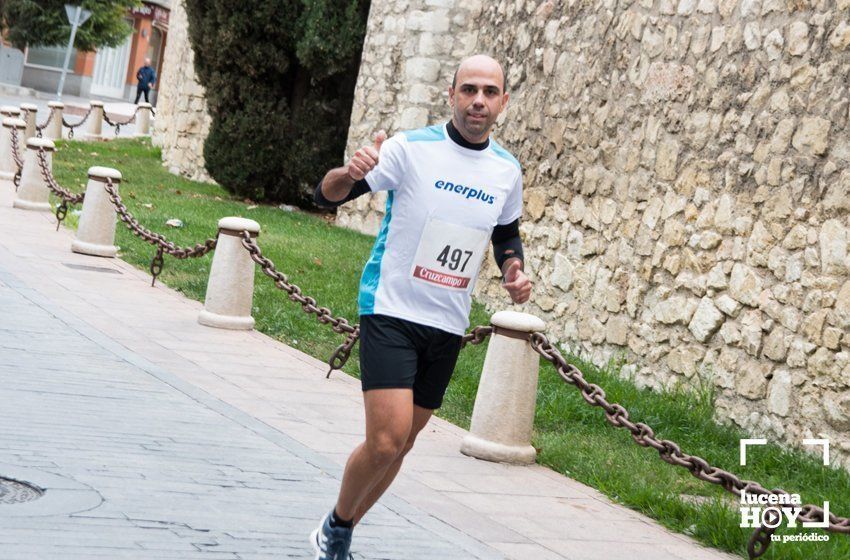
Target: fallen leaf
253,206
148,205
131,194
317,261
174,222
178,191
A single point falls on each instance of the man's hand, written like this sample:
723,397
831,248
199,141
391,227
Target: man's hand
366,158
516,282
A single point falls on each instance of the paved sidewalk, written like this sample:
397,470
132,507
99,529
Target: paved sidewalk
160,438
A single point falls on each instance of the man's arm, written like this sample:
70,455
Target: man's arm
507,249
338,182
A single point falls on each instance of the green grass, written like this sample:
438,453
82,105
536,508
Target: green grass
572,437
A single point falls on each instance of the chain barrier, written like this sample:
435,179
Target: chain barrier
39,128
670,452
71,127
476,336
16,157
158,240
118,125
66,197
324,315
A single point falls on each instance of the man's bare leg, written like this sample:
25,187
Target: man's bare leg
389,419
420,419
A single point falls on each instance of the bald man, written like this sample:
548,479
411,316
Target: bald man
452,190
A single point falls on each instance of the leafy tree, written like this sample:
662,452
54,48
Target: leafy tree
279,78
44,23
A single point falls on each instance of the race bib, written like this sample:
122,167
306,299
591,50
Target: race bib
449,255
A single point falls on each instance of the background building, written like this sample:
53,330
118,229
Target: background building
107,73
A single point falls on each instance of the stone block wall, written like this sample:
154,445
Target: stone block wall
687,183
182,123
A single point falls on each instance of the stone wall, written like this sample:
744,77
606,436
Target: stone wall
182,123
687,183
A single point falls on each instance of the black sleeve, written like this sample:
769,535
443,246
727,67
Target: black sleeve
360,187
507,243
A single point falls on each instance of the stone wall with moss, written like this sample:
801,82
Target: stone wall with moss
687,183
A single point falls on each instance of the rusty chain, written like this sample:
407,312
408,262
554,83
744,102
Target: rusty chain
118,125
476,336
670,452
324,315
39,128
158,240
16,156
71,127
65,196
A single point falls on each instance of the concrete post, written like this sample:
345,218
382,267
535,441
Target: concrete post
503,416
9,111
11,125
33,193
143,120
96,230
95,124
230,290
29,111
54,129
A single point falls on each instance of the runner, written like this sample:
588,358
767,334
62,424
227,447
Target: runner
452,190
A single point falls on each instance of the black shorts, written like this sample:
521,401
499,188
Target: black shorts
395,353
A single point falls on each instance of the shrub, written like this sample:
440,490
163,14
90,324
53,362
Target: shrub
279,78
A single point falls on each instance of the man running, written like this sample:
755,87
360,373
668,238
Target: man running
452,190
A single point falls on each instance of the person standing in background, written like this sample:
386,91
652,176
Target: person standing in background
146,78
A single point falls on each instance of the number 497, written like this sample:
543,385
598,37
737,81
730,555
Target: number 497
452,258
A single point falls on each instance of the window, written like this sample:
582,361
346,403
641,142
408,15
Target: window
52,57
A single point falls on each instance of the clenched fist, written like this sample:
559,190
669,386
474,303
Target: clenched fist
366,158
516,282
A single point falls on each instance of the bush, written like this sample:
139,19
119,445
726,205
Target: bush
279,78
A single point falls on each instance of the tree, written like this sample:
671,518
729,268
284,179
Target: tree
279,78
44,23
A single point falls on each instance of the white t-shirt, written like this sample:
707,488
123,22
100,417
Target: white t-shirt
444,201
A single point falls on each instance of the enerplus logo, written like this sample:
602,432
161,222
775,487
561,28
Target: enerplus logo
465,191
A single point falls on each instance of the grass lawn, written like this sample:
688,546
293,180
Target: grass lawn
573,438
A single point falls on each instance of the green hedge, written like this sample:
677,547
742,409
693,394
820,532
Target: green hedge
279,78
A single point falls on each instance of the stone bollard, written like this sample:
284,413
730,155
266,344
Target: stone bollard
96,230
95,124
10,111
54,129
33,193
8,168
230,290
29,111
143,120
503,416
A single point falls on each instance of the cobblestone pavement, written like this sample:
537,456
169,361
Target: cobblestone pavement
159,438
